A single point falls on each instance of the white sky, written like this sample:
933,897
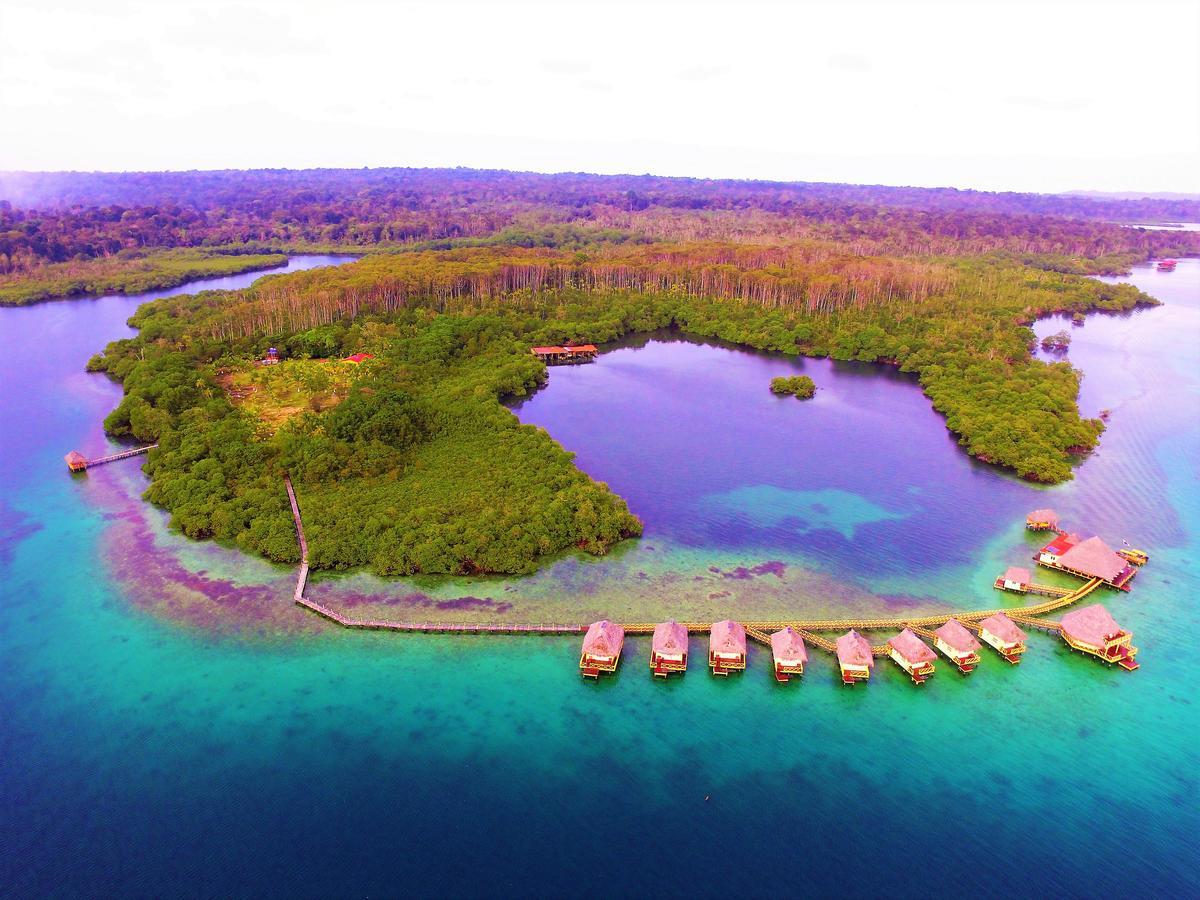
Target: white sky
1041,96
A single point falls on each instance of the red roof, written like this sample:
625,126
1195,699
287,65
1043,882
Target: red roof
1091,625
582,348
1017,574
1061,544
955,635
727,636
1094,557
911,647
604,638
1004,628
670,637
358,357
787,645
853,650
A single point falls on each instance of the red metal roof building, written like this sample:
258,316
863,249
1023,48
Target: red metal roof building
912,655
358,357
1093,631
1001,632
602,647
789,653
854,657
668,649
958,645
726,646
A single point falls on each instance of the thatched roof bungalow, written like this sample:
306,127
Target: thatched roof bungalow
912,655
855,658
602,647
788,652
958,645
1001,632
1095,559
1042,520
668,648
726,646
1094,631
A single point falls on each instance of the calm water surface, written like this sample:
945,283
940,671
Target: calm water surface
147,747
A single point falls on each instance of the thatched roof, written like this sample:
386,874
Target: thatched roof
1004,628
955,635
604,638
1094,557
1018,574
670,637
911,647
1091,625
854,650
727,637
1040,516
787,645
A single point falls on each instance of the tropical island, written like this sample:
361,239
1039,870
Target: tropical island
799,386
380,386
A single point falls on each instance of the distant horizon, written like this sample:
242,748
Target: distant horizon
1131,194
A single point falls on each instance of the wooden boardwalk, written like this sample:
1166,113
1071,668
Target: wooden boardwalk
758,631
77,462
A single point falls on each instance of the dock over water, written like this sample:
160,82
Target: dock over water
1111,646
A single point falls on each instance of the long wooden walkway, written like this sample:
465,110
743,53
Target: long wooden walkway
758,631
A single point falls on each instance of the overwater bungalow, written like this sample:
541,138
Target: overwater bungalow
1093,631
1002,633
602,647
854,657
727,647
789,653
912,655
1015,578
1090,559
668,649
958,645
76,461
1042,520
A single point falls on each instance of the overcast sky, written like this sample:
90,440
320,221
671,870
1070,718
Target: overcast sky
1045,96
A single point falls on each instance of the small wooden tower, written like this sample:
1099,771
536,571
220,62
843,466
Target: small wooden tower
602,647
668,649
727,647
789,653
912,655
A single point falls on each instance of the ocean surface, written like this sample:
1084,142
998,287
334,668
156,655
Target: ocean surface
170,724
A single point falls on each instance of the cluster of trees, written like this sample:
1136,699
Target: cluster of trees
129,272
799,386
419,470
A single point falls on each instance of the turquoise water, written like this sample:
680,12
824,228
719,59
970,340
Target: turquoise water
172,725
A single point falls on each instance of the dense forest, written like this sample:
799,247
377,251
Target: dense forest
407,460
58,219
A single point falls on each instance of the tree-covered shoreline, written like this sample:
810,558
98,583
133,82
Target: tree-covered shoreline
421,469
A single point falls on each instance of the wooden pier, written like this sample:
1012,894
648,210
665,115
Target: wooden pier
759,631
77,462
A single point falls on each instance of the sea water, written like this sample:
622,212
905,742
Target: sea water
171,724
